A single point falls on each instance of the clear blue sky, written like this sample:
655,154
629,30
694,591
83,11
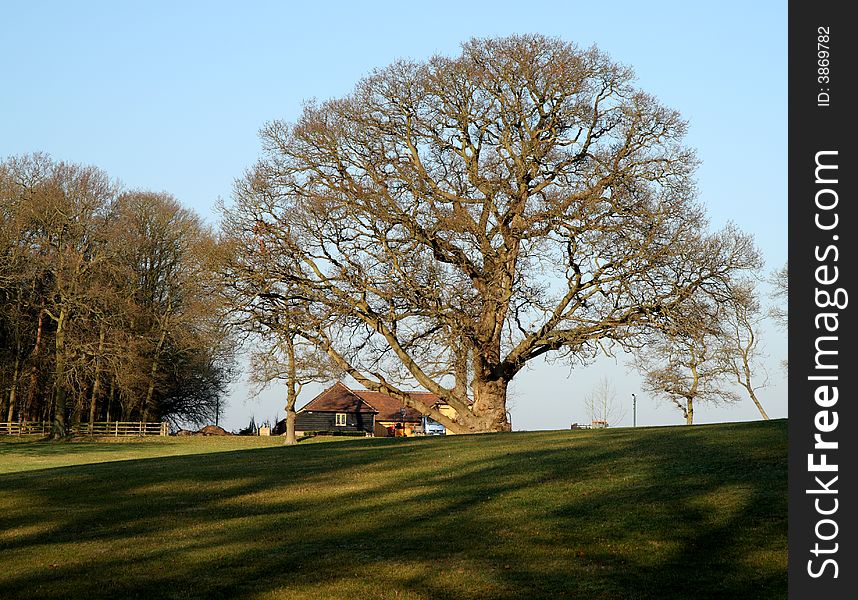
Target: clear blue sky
169,96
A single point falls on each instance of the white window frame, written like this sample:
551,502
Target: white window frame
341,419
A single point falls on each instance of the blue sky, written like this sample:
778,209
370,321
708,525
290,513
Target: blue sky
169,96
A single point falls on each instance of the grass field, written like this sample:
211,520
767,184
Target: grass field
648,513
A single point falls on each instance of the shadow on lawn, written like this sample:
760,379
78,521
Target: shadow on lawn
659,513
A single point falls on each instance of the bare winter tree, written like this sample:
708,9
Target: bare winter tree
293,361
685,362
779,281
740,349
602,404
468,215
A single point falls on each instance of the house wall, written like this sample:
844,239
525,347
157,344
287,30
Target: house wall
449,412
326,421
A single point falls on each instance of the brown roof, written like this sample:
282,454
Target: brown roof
388,408
338,398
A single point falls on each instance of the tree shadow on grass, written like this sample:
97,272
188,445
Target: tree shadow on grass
658,513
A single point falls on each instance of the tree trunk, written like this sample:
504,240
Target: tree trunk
78,408
13,389
291,391
58,427
97,379
32,386
757,402
748,385
290,427
692,393
92,401
461,355
489,408
34,370
110,398
150,390
126,406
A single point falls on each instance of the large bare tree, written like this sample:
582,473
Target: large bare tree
471,214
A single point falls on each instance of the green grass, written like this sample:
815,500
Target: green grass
649,513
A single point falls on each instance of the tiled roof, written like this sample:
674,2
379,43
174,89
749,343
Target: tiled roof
389,408
338,398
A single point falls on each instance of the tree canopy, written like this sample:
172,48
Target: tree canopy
463,216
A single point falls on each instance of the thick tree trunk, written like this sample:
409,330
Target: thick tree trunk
58,426
489,408
689,411
461,357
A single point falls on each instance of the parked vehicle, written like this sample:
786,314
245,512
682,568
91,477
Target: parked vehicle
432,427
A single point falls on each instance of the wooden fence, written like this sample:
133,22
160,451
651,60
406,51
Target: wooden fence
100,428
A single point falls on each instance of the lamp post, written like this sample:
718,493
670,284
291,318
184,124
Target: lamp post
634,410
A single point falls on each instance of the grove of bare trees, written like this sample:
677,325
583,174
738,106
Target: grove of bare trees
105,301
452,220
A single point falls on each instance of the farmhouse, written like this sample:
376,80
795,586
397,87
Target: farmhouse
339,409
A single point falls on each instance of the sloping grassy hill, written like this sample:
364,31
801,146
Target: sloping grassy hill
649,513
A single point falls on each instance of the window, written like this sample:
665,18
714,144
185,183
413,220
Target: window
341,419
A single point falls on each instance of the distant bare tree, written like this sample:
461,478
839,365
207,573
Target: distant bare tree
290,359
779,281
740,349
685,363
472,214
602,404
